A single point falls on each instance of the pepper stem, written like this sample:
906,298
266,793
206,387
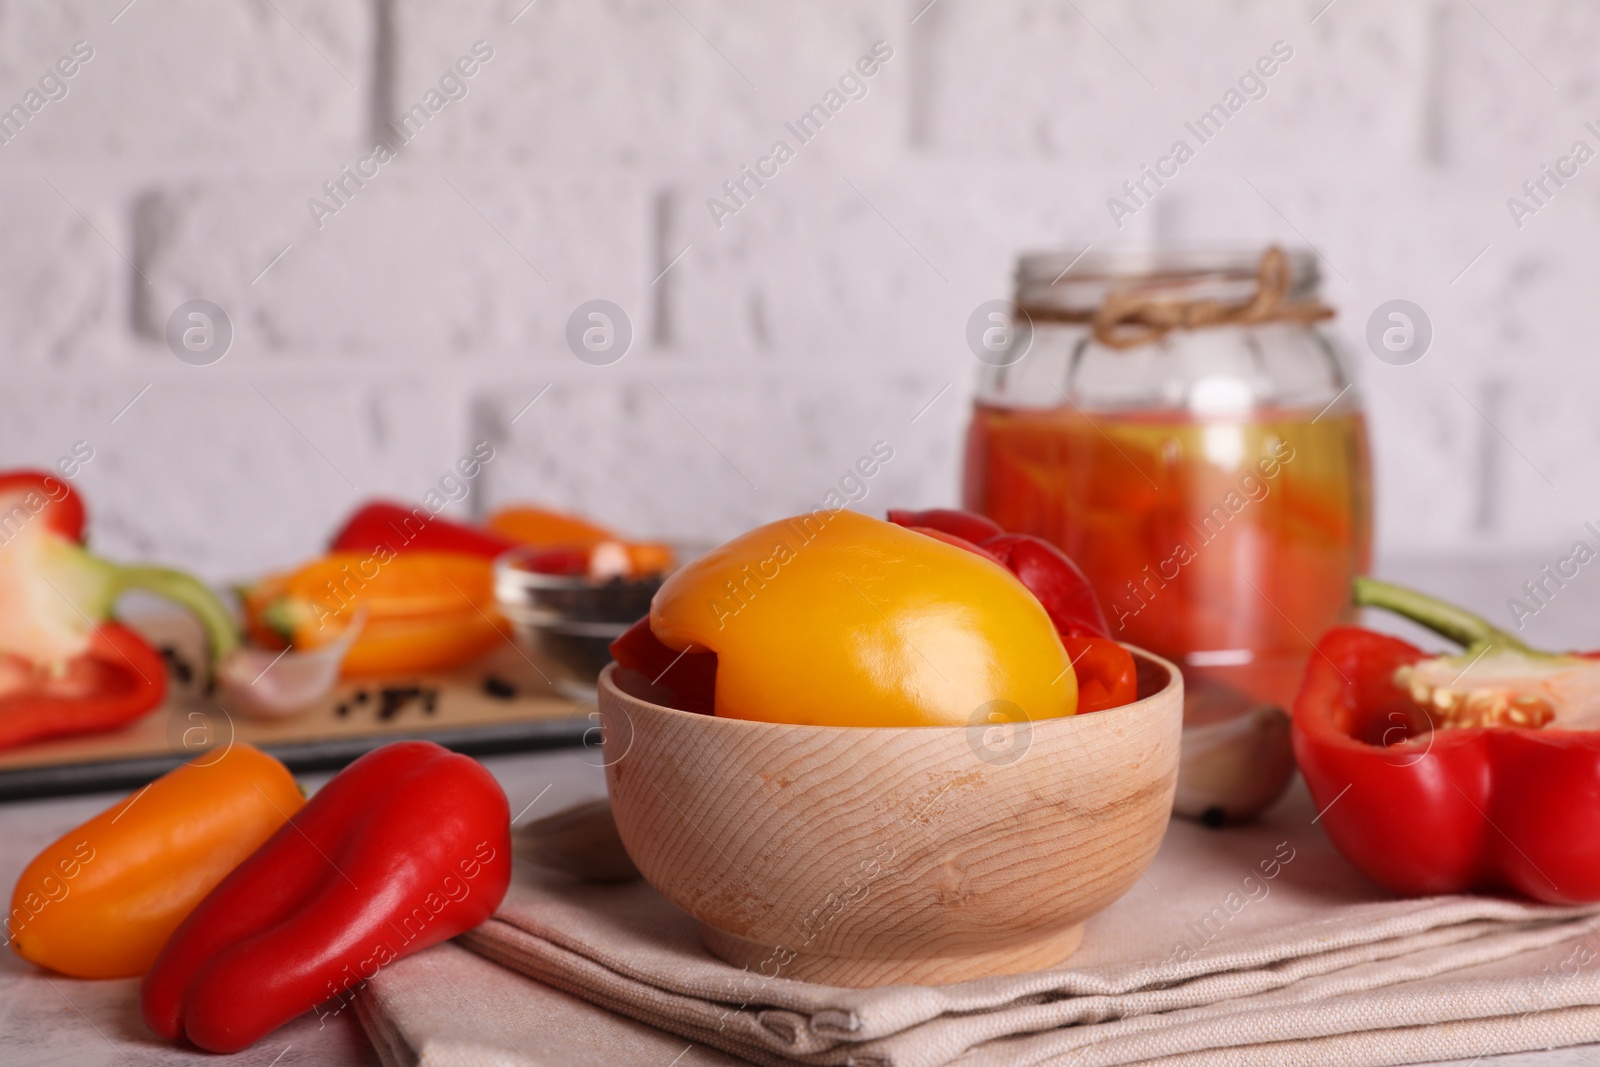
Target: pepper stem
1457,624
222,633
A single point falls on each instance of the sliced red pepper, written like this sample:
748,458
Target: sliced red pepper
55,503
967,525
1052,577
685,680
406,847
64,668
1424,810
400,528
117,679
1107,677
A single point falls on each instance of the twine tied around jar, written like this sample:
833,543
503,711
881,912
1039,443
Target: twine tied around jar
1148,311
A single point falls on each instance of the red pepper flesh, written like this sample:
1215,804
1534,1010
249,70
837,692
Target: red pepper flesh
406,847
400,528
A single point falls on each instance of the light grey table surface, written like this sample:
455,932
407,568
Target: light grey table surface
49,1020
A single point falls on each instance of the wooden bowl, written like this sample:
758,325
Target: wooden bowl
873,856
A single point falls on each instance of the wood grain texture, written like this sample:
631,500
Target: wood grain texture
873,856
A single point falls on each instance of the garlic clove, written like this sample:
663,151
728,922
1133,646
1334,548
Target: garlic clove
1231,771
268,684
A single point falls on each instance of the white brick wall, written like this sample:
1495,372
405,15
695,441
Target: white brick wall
821,317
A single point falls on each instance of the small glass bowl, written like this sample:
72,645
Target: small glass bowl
567,622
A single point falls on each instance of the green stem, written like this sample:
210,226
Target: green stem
222,633
1461,626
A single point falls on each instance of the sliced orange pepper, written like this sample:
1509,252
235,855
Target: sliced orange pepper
425,611
409,646
103,899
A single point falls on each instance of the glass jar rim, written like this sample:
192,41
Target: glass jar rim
1079,281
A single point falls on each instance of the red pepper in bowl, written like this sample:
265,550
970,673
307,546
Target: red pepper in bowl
65,666
1106,674
406,847
1450,774
1107,677
967,525
1048,572
685,680
1052,577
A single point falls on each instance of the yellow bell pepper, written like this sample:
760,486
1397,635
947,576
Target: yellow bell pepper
836,619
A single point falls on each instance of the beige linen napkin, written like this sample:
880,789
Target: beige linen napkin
1248,945
449,1008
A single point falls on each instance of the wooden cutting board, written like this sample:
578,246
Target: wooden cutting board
504,703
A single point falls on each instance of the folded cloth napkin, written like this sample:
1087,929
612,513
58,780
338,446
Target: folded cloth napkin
449,1008
1249,945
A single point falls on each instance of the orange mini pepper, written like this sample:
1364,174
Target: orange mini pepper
542,528
103,899
425,611
592,549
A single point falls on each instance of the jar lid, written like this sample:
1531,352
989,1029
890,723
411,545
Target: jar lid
1076,281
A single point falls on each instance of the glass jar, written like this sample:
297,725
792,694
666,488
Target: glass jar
1179,426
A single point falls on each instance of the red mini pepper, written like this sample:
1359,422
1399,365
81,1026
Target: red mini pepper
400,528
65,668
1448,774
406,847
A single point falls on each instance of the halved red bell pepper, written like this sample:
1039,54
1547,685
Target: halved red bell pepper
406,847
64,667
1448,774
